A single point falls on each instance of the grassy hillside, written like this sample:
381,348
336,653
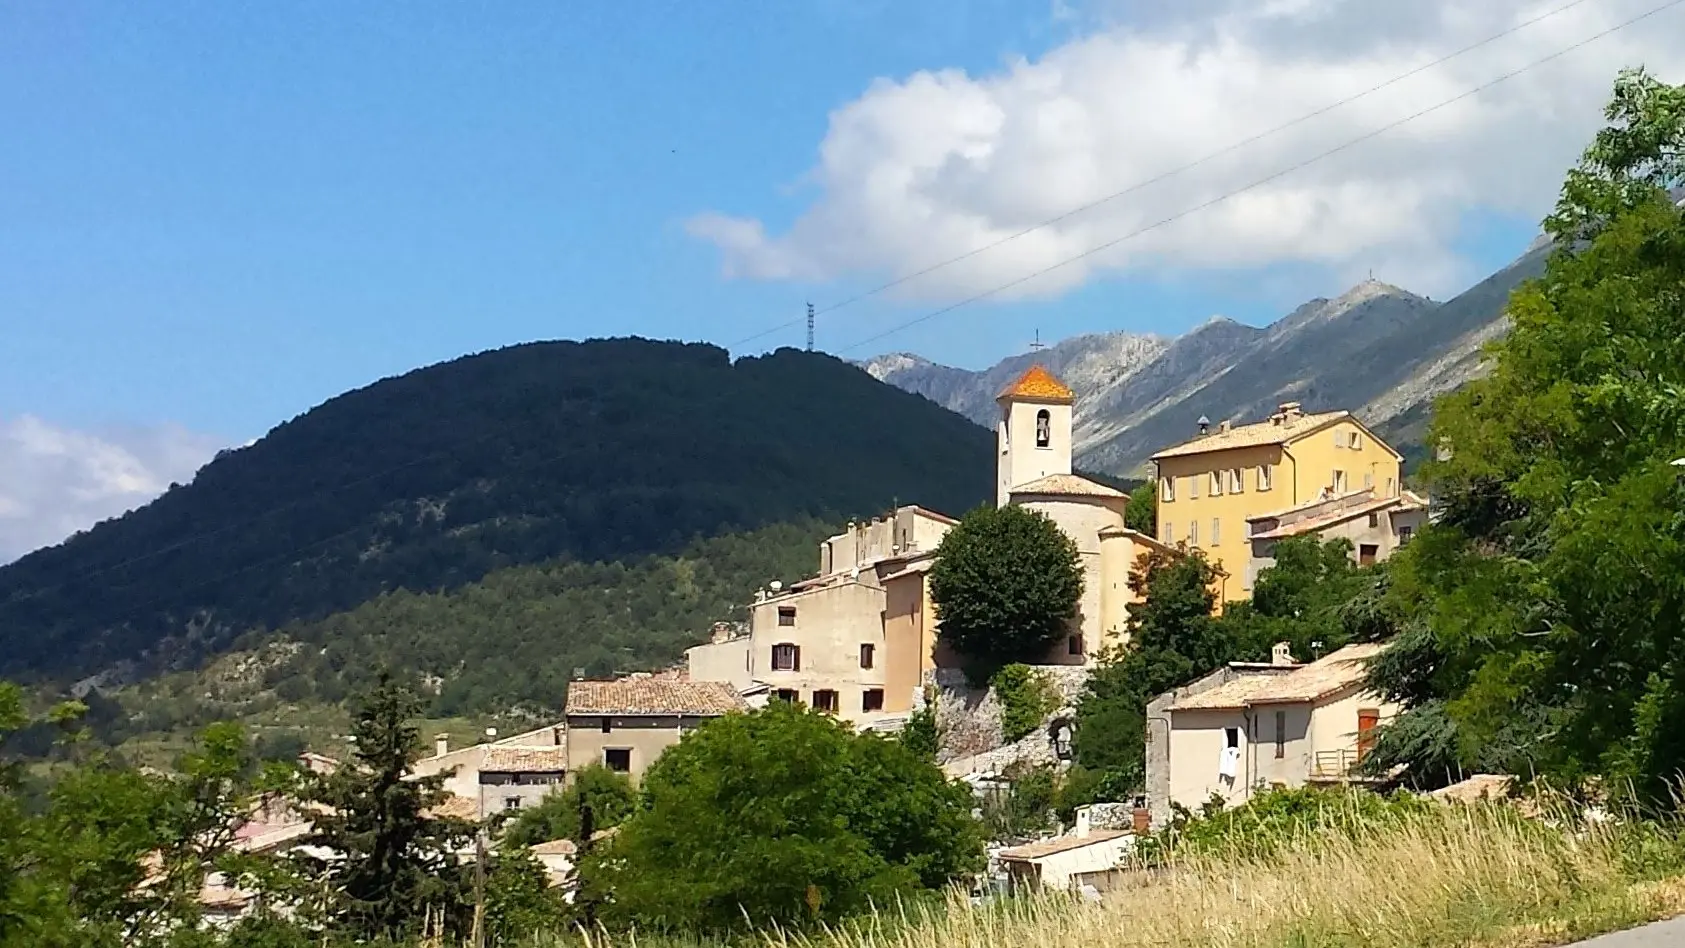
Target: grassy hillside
500,650
597,451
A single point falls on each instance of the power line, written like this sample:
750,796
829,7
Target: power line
1163,176
1262,181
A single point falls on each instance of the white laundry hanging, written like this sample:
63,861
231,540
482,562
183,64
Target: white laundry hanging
1229,764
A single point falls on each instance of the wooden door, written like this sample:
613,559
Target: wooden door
1367,719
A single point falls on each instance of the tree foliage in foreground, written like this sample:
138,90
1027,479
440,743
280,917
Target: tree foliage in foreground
1006,585
1544,614
783,816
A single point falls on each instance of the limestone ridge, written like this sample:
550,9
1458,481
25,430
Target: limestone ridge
1376,349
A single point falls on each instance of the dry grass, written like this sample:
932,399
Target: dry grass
1461,875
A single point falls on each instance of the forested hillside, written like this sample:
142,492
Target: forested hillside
579,451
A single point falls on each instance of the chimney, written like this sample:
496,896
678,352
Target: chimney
722,632
1141,820
1224,427
1083,822
1290,411
1279,655
1204,426
441,745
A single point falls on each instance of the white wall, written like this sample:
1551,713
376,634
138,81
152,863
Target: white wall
1020,460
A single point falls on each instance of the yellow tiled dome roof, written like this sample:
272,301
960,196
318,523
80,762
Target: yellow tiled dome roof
1040,384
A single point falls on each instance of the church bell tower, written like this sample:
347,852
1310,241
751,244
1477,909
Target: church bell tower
1034,435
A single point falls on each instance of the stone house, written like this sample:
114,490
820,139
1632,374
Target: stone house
625,724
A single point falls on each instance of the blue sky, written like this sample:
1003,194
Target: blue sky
214,216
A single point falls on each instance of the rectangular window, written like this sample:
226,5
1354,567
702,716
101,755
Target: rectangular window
1266,473
1374,520
1237,481
1166,489
1073,645
1231,736
1280,734
1404,535
618,759
1216,532
825,700
1339,482
786,695
1193,533
786,615
871,699
1391,491
1166,532
511,803
868,654
608,725
786,657
1340,439
1354,440
1193,487
1216,483
1367,553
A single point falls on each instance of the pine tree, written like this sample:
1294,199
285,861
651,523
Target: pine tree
394,862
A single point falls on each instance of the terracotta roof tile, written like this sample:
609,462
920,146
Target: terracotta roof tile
524,760
1328,675
1067,484
1253,435
645,695
1313,524
1040,384
1060,844
457,807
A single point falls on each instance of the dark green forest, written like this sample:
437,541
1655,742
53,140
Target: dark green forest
578,452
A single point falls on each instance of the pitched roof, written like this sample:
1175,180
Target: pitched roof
1253,435
1068,484
455,806
555,847
1313,524
1039,384
643,695
1059,844
1328,675
524,760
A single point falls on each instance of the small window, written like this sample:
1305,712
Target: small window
608,725
1340,440
511,803
1231,737
1193,533
1374,520
787,615
1237,481
1073,645
1280,734
1193,487
1266,472
786,695
1044,428
825,700
1166,489
1354,440
1166,532
1404,535
1391,490
871,699
618,759
786,657
1216,483
868,654
1367,554
1339,482
1216,532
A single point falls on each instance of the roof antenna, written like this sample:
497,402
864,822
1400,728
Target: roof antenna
810,327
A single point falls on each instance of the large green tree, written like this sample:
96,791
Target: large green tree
1006,586
783,816
1548,624
394,862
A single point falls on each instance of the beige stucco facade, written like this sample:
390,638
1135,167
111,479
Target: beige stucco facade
490,789
1375,526
641,738
1289,725
1211,486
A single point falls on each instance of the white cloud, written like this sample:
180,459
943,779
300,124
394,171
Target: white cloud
940,163
55,481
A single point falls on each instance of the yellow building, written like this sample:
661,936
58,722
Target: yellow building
1210,487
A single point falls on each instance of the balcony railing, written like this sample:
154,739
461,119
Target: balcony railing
1336,765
